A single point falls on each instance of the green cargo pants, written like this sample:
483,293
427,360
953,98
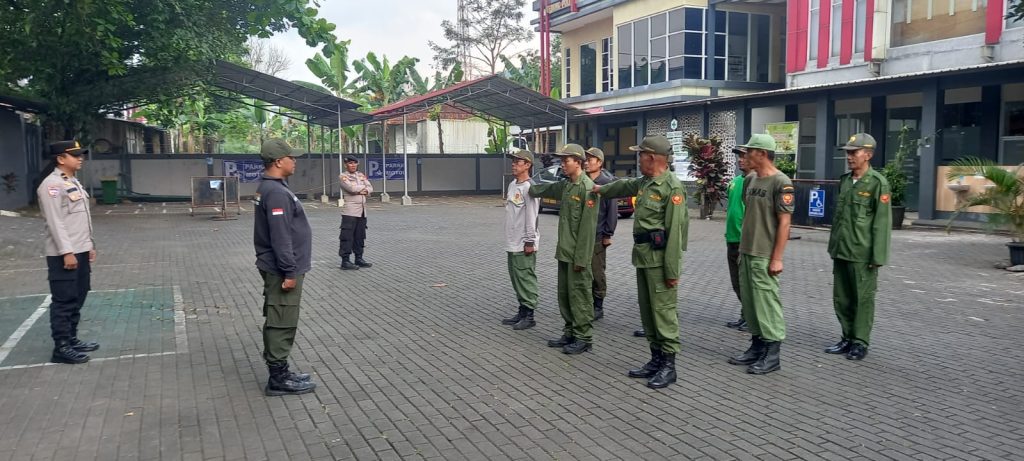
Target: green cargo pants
853,296
281,310
658,309
522,272
576,302
597,266
759,294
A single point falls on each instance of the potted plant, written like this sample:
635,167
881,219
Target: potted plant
895,173
707,164
1005,197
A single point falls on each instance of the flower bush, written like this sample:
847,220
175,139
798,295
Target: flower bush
708,165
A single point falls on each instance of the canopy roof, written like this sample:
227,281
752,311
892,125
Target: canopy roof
319,108
494,96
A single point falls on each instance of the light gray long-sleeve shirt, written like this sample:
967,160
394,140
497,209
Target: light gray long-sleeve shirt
65,206
521,212
355,202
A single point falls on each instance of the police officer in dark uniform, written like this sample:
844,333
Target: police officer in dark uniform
70,249
284,251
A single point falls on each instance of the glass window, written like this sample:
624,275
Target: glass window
675,20
693,67
568,73
922,21
694,43
812,31
695,19
658,25
761,58
588,68
860,24
625,51
641,60
675,45
675,69
837,26
737,46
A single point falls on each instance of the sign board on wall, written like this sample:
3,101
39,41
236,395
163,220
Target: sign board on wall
244,170
786,134
395,167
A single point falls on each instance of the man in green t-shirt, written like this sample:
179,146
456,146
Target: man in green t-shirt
733,225
769,202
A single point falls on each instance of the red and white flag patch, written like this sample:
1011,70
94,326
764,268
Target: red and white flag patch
53,190
277,211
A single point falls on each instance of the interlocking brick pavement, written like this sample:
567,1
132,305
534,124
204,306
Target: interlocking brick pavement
412,362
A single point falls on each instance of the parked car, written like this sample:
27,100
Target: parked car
554,173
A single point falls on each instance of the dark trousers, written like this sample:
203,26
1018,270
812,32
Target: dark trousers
68,289
281,310
732,255
597,266
353,234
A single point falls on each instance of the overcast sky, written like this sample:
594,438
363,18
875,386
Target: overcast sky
394,28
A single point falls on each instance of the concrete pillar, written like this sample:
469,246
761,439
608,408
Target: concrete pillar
932,102
824,137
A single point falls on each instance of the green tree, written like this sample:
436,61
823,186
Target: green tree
381,84
85,57
487,31
422,85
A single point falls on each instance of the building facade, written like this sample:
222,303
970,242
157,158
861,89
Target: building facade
946,70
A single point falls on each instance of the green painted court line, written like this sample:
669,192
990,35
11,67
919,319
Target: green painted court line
15,337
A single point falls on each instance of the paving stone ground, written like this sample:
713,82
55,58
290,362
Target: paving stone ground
412,362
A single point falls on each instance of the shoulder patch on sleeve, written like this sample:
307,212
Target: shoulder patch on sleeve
54,191
787,198
884,198
677,199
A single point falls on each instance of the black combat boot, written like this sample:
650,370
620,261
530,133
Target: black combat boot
64,353
842,347
769,360
649,368
299,376
362,262
857,352
736,324
639,333
83,346
526,322
598,308
576,347
561,342
666,374
752,354
347,265
515,318
282,382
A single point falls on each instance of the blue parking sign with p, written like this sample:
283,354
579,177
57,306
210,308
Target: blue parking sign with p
816,203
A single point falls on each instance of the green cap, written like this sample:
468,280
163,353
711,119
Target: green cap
275,148
595,152
572,150
758,141
655,145
860,141
522,154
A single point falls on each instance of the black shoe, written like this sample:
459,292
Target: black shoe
526,322
752,354
743,327
598,313
515,318
576,347
283,382
561,342
769,360
649,368
735,324
640,333
666,374
362,263
842,347
598,308
83,346
857,352
64,353
348,266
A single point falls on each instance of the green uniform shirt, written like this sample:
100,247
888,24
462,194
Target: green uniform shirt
660,204
577,218
764,199
862,224
734,213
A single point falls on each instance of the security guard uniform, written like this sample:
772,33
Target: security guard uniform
577,223
353,217
859,245
660,230
65,206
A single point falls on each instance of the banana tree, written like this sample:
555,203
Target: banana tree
381,83
422,85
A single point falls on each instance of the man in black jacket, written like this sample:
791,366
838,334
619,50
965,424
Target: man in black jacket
607,218
284,250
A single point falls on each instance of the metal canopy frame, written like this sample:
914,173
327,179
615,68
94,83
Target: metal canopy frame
320,108
493,96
